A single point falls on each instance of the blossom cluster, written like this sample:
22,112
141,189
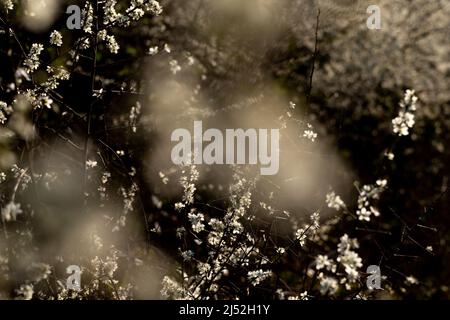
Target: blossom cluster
406,118
367,194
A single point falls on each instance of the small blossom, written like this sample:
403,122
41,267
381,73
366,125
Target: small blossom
174,66
112,45
196,220
310,135
11,211
405,119
323,262
8,5
91,164
187,255
304,295
367,194
32,61
167,48
258,276
411,280
179,206
56,38
334,201
328,285
301,236
153,50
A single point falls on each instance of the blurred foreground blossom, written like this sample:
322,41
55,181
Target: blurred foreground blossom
11,211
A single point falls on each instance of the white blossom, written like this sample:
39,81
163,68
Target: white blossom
112,45
56,38
258,276
8,4
334,201
153,50
367,194
310,135
196,220
91,164
32,61
328,285
11,211
406,118
174,66
323,262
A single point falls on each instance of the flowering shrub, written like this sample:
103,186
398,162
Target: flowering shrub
86,177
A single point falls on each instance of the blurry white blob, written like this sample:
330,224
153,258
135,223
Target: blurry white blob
39,14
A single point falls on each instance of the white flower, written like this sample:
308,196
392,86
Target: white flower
112,45
187,255
405,119
11,211
110,14
390,155
323,262
258,276
171,289
179,206
56,38
187,182
304,295
346,244
328,285
4,112
85,44
163,177
153,50
368,193
32,61
310,135
102,35
87,18
381,183
91,164
315,218
411,280
105,176
174,66
301,236
196,220
334,201
136,14
167,48
8,5
3,118
154,7
350,259
46,101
